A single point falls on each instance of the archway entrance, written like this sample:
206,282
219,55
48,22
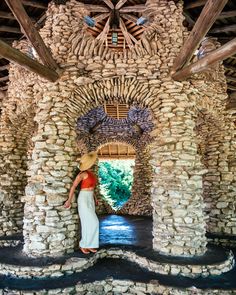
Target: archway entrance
115,171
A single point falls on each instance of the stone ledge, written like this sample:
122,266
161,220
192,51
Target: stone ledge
114,286
78,264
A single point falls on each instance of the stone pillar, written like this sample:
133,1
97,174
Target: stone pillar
49,228
140,200
219,182
16,128
178,218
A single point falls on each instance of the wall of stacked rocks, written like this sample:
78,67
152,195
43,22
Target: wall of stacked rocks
92,75
216,134
17,128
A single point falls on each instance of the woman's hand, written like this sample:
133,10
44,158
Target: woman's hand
67,204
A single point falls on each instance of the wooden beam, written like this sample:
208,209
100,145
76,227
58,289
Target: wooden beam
109,3
203,64
132,18
126,34
31,33
194,4
3,79
5,67
224,29
25,61
36,4
189,19
120,3
116,157
7,15
96,8
101,16
227,14
204,22
4,88
103,35
230,68
10,29
134,8
230,78
230,87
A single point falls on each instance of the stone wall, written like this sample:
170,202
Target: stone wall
92,75
17,127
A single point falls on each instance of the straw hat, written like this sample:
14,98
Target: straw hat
87,161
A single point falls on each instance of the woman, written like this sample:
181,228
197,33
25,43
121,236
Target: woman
86,206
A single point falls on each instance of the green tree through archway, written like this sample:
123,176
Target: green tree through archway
116,179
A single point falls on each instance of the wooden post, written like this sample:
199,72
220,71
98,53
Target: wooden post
31,33
217,55
209,14
28,63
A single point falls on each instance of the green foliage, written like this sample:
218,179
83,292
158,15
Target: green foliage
116,178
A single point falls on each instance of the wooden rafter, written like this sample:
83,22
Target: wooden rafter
224,29
3,79
10,29
227,14
3,68
194,4
36,4
3,88
126,34
31,33
230,87
7,15
189,18
96,8
206,19
102,36
120,3
109,3
132,18
203,64
25,61
134,8
101,16
230,78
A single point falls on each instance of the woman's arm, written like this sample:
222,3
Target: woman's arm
72,189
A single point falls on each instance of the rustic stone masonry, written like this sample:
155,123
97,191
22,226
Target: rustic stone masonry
111,286
17,128
92,75
78,264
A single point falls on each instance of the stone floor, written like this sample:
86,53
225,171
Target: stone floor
126,233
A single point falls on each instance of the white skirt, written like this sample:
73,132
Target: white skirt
88,219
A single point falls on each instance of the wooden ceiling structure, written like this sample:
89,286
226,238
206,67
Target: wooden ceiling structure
23,18
116,151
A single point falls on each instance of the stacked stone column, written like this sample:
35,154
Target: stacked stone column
178,218
16,129
219,182
49,228
139,202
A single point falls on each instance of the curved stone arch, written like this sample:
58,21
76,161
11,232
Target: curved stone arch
116,90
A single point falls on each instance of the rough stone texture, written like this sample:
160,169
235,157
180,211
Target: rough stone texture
77,264
91,76
118,287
